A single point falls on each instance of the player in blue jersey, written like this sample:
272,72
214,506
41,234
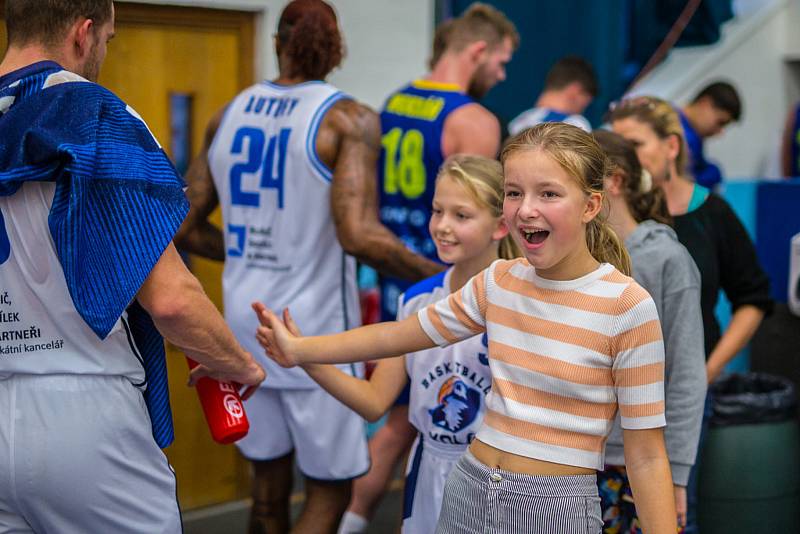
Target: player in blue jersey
421,125
90,281
292,164
569,88
715,107
435,117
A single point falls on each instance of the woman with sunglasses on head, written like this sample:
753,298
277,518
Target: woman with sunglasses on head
708,227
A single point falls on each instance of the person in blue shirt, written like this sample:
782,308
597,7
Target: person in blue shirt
711,111
569,88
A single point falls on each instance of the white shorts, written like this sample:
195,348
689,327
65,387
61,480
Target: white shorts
78,456
429,464
328,438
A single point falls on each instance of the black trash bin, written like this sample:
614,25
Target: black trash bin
749,478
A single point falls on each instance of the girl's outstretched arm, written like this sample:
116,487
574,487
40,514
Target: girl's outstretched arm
368,398
372,342
651,482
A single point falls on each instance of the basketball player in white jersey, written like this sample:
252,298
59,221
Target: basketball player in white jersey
292,163
88,206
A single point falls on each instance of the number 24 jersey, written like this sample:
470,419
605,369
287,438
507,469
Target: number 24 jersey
280,239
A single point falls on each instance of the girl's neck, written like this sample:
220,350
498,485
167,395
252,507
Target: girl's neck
464,270
678,191
574,265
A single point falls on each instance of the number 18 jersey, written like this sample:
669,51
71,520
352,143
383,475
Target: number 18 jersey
280,239
412,122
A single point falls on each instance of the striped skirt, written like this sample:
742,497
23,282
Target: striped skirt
480,499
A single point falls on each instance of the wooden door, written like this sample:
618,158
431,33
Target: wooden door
204,56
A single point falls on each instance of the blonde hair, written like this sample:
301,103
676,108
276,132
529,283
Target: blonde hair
582,158
660,116
483,180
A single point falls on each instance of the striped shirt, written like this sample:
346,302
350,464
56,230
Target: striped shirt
564,356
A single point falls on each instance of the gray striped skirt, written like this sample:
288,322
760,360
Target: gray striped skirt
480,499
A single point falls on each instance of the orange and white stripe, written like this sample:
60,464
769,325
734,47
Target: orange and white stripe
565,356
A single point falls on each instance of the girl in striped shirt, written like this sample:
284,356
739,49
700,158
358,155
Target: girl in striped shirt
447,385
572,340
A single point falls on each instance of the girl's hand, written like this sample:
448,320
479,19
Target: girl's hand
291,326
680,505
293,329
275,337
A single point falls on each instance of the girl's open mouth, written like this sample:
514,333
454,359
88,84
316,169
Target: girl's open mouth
535,237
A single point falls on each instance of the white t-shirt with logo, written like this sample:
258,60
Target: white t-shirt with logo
448,385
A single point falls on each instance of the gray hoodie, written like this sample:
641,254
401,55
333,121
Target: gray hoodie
666,270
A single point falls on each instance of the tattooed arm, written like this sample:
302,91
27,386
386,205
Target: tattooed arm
349,142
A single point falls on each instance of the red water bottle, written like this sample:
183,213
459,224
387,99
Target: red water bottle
222,407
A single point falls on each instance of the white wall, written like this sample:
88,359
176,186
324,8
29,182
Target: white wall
388,41
752,55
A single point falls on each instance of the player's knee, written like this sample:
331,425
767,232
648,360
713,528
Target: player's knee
268,503
272,486
334,495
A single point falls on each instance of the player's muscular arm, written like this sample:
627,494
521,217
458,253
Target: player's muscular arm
186,317
471,129
197,235
349,142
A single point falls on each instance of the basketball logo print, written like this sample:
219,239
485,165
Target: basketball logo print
482,356
458,406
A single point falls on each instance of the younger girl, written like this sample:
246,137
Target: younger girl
638,214
571,341
448,385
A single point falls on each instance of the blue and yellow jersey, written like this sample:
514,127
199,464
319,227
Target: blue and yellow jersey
412,122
